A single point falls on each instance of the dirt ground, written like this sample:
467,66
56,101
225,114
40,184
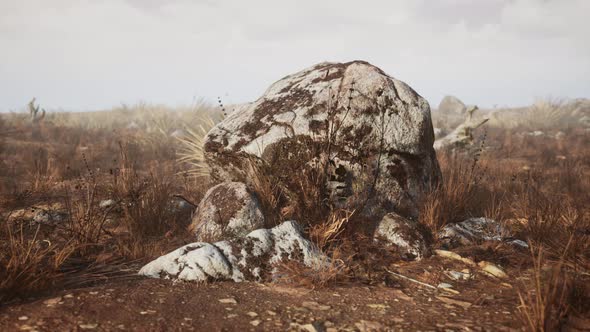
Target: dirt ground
482,303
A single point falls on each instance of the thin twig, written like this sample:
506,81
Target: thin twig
412,280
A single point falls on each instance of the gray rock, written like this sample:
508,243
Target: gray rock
403,234
228,210
380,128
247,258
476,230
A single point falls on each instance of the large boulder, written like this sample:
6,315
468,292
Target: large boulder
228,210
251,258
374,130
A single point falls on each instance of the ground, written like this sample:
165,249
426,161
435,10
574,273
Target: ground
163,305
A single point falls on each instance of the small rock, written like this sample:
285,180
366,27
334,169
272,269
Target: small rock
230,316
313,327
378,306
456,275
444,285
255,322
23,318
367,326
230,300
68,296
88,326
270,312
492,269
315,306
107,203
252,314
52,302
448,300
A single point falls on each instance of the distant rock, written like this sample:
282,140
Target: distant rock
404,235
228,210
247,258
451,105
380,134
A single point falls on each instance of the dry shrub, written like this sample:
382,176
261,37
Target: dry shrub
29,266
326,235
85,221
323,273
268,190
544,302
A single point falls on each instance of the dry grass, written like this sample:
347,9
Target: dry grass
324,273
453,199
544,303
538,186
29,265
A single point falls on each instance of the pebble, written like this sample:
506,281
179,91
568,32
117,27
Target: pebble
52,302
23,318
88,326
230,300
252,314
255,322
315,306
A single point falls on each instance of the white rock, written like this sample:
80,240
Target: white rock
106,203
246,258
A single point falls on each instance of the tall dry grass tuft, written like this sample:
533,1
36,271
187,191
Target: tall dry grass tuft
192,151
454,199
29,265
327,234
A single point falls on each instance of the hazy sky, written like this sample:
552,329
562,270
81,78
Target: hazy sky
93,54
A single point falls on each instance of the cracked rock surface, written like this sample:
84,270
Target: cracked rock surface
247,258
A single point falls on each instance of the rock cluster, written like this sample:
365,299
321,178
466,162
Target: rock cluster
372,135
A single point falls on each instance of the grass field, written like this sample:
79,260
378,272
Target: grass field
64,170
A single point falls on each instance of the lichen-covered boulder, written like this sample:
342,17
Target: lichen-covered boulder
403,234
374,130
228,210
249,258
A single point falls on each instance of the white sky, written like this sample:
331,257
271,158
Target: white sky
93,54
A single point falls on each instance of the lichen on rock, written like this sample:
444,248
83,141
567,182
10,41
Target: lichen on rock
251,257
